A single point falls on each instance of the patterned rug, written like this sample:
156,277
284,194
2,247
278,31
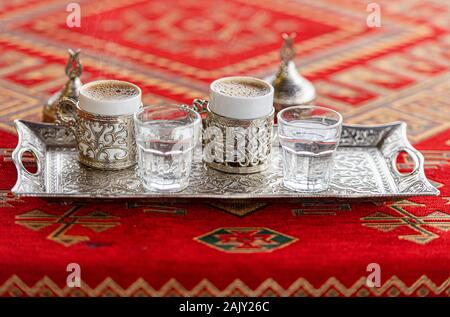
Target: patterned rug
173,49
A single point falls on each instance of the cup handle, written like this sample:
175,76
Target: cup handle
66,113
200,105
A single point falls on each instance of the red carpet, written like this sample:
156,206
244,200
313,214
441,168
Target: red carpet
173,49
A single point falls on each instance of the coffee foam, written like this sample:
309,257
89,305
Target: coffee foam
111,91
241,88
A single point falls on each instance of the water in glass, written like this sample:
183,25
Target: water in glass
165,152
308,146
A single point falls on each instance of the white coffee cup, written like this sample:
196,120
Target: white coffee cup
239,106
110,105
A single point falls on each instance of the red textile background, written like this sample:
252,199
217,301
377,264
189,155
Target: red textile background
173,49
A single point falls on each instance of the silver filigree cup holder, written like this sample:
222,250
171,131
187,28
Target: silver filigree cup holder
103,142
248,140
239,123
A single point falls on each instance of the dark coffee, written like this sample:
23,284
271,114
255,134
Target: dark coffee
111,90
241,88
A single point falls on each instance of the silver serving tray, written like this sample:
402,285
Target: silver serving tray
365,168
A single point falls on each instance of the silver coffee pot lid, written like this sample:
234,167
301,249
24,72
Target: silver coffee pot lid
291,88
71,89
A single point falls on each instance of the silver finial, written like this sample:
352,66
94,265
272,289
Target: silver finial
71,88
291,88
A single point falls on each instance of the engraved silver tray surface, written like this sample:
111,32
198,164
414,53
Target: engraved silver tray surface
365,167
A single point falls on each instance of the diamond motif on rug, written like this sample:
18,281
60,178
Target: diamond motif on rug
246,239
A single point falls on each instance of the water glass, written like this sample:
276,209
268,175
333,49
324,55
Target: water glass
166,136
309,136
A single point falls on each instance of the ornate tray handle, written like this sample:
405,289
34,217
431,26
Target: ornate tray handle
397,143
17,157
27,181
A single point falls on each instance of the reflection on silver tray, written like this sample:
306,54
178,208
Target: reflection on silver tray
365,167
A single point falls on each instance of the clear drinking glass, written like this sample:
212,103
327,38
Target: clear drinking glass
309,136
166,136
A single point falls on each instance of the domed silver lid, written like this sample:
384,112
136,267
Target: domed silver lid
291,88
70,90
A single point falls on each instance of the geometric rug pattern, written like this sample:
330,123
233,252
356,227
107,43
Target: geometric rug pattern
173,49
